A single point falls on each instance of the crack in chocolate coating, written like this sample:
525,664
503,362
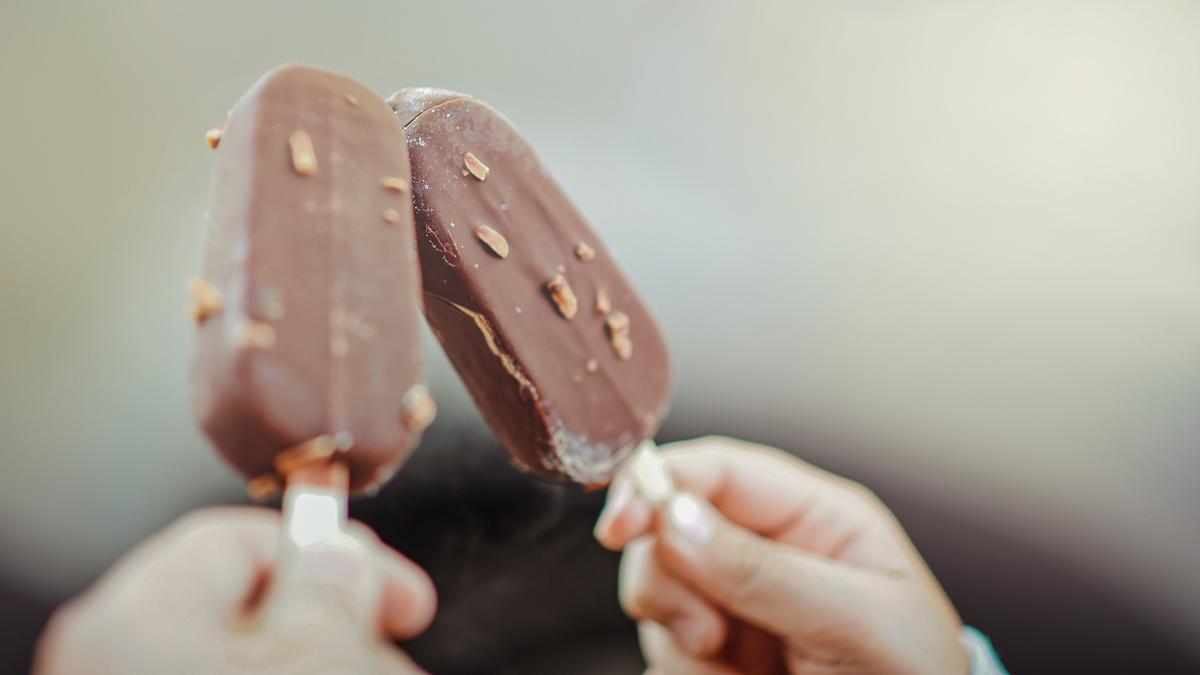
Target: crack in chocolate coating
311,257
524,362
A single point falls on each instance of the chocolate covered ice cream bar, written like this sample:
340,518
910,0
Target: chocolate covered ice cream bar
558,351
308,303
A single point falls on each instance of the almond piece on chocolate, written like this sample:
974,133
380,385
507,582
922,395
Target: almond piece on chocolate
603,304
263,487
213,136
622,347
592,365
493,239
617,324
314,450
476,167
304,158
563,296
419,409
394,183
206,299
584,252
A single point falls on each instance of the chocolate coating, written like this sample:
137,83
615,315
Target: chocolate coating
560,390
315,263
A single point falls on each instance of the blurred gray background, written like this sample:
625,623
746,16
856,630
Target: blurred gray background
962,239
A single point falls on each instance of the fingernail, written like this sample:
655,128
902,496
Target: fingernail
619,496
690,518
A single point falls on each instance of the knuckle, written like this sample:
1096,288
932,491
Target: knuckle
211,520
861,493
196,519
194,529
365,535
637,596
873,511
720,446
634,582
205,518
753,572
636,599
204,528
704,446
718,441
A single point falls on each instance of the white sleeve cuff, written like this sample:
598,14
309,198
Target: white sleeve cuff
983,658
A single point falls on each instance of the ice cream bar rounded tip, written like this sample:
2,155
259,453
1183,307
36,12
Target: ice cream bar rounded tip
561,355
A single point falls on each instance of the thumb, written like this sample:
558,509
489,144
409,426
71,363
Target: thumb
774,586
332,581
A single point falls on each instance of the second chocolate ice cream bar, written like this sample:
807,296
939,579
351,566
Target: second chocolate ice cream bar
558,351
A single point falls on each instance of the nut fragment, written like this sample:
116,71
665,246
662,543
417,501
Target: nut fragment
476,167
617,324
351,99
592,365
584,252
394,183
392,216
419,409
213,136
622,347
263,487
603,304
563,296
312,451
257,334
206,299
493,239
304,159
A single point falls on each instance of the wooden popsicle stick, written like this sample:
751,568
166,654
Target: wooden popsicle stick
650,475
320,558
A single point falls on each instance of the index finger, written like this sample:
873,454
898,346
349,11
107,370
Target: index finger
762,489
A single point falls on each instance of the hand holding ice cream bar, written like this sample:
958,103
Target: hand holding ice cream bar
307,369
